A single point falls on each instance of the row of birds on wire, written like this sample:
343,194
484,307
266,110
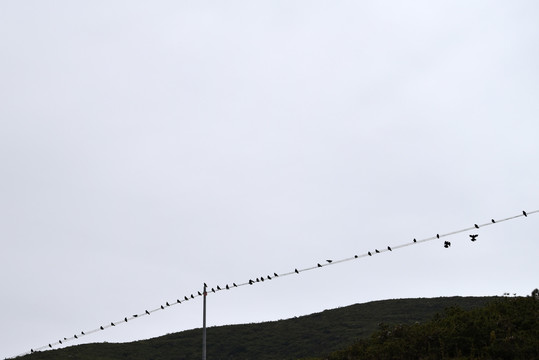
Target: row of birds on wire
207,290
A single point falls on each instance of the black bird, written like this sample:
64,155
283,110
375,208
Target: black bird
192,297
199,294
319,265
257,280
415,240
389,248
101,327
185,297
447,244
261,278
50,345
377,251
356,256
135,315
476,226
167,303
474,237
162,307
370,254
329,261
218,288
178,301
438,236
125,319
31,350
82,333
523,212
227,287
147,312
296,270
75,336
65,339
493,221
212,289
60,341
251,282
112,324
205,285
275,274
234,284
269,277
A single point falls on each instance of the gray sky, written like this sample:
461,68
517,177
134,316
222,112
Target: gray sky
148,147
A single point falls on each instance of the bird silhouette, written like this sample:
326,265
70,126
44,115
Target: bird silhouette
178,301
257,280
473,237
167,303
329,261
199,294
370,254
192,297
135,315
251,282
102,328
438,236
296,270
447,244
212,289
356,256
319,265
125,319
389,248
186,298
75,336
234,284
476,226
112,324
205,285
261,278
60,341
227,287
377,251
162,307
82,333
524,213
415,240
50,345
218,288
147,312
269,277
493,221
275,274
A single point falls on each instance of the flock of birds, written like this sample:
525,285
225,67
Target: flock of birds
447,244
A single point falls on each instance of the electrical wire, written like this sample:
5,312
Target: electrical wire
232,285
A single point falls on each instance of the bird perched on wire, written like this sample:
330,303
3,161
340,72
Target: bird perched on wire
474,237
329,261
524,213
389,248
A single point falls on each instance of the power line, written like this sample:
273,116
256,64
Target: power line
273,276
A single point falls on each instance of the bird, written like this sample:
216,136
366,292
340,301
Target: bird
82,333
377,251
147,312
296,270
135,315
102,328
125,319
162,307
227,287
234,284
218,288
257,280
389,248
493,221
65,339
178,301
251,282
261,278
524,213
370,254
319,265
199,294
50,345
75,336
192,297
415,240
438,236
356,256
205,285
447,244
269,277
167,303
473,237
60,341
329,261
476,226
31,350
112,324
185,297
275,274
212,289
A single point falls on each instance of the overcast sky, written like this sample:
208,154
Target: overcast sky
148,147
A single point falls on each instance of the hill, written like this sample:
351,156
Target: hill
312,335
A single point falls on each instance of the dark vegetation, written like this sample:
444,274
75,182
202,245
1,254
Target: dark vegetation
509,325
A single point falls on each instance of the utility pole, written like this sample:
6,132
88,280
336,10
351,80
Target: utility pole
204,325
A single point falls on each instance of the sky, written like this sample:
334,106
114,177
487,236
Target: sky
149,147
